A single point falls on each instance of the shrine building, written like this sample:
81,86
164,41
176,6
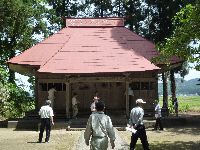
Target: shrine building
88,55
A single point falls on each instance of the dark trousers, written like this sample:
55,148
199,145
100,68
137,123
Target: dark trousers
45,122
158,122
130,100
141,133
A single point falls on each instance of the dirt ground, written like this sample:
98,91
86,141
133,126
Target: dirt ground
185,137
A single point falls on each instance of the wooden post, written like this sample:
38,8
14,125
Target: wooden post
127,95
67,100
36,92
68,90
127,99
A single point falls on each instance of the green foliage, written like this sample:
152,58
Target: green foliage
186,103
14,100
20,21
185,37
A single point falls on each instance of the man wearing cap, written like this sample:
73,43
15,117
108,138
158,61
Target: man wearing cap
136,122
158,115
46,114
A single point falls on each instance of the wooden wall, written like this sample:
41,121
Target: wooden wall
112,93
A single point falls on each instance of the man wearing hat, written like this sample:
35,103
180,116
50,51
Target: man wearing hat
136,122
46,114
158,115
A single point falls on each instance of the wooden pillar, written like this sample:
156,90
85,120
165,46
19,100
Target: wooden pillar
127,99
67,99
127,95
36,92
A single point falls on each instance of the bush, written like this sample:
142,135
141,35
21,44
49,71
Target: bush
14,100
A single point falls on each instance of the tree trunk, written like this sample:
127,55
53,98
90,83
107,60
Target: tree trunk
173,85
101,8
12,54
131,14
165,89
119,12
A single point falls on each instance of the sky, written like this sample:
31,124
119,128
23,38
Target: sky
192,75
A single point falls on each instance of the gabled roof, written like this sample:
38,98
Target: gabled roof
91,46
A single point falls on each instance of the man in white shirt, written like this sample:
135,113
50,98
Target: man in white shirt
158,115
46,114
51,96
136,122
74,106
93,106
100,127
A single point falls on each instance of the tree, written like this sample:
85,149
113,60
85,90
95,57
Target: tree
134,10
14,100
103,8
20,21
185,36
66,8
161,27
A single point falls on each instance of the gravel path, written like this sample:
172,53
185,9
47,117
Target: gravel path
120,143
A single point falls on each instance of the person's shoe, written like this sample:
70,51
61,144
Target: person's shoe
74,118
47,142
161,129
39,141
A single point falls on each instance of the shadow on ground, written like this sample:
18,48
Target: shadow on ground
178,145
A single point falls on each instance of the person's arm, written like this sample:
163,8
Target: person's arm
73,102
130,120
159,113
111,133
51,117
88,131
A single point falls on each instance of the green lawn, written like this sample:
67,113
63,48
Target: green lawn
192,101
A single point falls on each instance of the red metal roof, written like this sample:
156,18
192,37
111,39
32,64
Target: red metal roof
91,50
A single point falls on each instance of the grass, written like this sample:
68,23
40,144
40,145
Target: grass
192,101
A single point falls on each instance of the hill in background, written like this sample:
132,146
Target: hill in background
182,88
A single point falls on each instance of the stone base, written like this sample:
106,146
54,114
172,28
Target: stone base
57,126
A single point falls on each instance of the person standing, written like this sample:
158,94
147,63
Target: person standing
100,127
96,95
136,122
93,106
46,114
130,93
176,106
51,96
158,115
74,106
